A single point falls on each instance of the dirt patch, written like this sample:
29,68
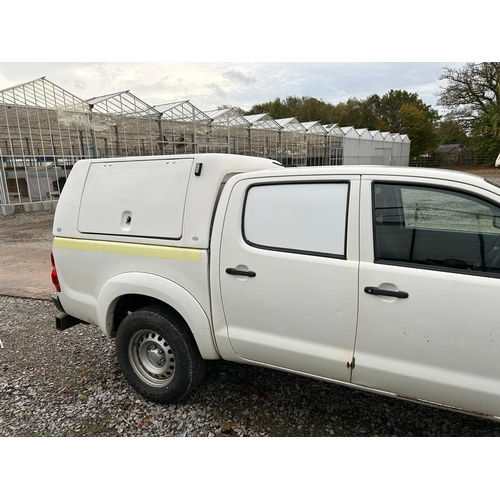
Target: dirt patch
26,242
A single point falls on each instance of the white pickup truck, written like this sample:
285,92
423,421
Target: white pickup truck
385,279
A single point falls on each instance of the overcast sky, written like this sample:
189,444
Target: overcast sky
208,85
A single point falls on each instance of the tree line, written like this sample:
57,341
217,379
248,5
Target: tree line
470,97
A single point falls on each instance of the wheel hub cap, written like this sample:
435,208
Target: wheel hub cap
152,358
156,356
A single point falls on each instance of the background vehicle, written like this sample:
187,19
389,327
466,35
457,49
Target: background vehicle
379,278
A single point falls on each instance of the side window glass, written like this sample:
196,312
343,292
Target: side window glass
439,209
436,227
302,218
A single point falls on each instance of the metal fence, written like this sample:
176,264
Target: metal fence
450,160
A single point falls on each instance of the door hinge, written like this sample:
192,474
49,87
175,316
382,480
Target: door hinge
351,364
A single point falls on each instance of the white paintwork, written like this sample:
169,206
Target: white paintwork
120,199
305,311
442,343
199,198
289,316
164,290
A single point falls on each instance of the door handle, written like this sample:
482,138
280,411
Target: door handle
239,272
373,290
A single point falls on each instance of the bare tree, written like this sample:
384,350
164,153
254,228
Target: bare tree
472,97
471,90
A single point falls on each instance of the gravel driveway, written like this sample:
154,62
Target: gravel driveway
69,384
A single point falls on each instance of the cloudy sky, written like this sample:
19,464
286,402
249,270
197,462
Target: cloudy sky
211,84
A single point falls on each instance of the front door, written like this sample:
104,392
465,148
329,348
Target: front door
289,266
429,290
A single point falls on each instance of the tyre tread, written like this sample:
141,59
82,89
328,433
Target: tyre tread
188,360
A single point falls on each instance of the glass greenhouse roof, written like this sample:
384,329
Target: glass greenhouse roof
122,103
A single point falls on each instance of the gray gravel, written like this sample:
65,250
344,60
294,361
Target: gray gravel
23,218
69,384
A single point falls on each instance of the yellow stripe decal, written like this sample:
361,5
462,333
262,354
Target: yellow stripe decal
154,251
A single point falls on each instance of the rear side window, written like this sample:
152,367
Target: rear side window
307,218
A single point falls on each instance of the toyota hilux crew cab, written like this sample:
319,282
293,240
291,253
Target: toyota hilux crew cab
385,279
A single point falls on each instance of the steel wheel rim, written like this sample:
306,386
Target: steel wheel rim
152,358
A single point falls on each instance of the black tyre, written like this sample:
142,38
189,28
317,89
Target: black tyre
158,355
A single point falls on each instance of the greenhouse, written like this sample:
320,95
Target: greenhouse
365,147
45,129
123,125
292,142
228,133
263,136
317,143
180,124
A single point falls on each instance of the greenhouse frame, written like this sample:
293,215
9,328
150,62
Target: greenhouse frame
45,130
228,133
123,125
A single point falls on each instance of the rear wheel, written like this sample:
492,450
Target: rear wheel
158,355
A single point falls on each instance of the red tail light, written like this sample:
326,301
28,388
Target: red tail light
53,274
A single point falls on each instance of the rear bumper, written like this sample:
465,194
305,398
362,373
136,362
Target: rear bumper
57,302
63,321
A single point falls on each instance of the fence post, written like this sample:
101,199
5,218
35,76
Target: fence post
4,192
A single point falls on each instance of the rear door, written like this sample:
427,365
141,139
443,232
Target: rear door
429,293
289,273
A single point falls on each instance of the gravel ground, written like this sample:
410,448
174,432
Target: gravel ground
69,384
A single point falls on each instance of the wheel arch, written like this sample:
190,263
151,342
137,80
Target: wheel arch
131,291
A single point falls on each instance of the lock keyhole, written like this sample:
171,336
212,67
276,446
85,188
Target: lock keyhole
126,221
